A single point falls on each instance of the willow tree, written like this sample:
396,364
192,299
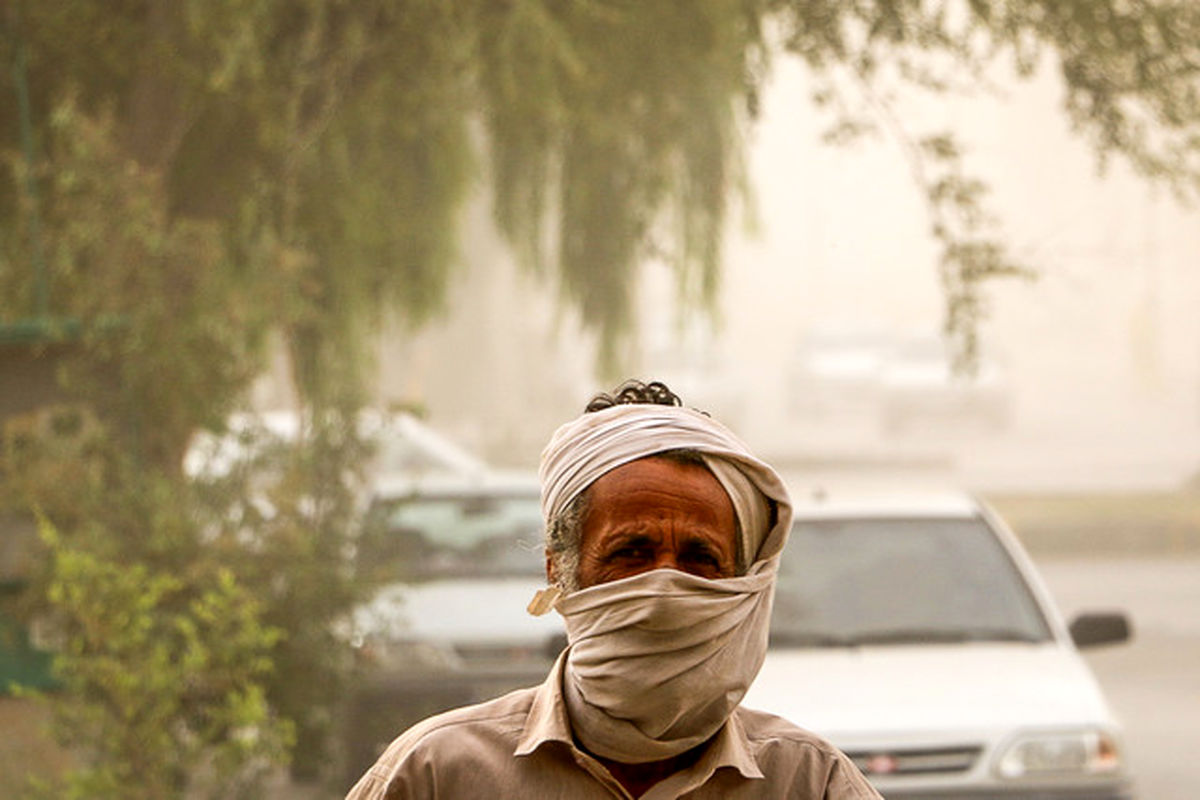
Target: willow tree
1130,73
636,154
185,177
199,175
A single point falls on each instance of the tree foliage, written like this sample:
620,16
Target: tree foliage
164,656
346,132
172,676
1131,74
622,120
189,176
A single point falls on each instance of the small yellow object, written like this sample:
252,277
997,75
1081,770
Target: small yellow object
543,600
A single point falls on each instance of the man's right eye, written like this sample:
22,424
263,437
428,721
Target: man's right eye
632,553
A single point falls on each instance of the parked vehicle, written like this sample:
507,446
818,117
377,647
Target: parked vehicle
837,374
895,382
465,555
404,445
921,387
915,634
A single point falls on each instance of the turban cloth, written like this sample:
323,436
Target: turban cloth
657,661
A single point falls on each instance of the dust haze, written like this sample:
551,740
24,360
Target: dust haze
1096,362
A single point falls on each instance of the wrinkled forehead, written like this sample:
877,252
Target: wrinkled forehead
672,480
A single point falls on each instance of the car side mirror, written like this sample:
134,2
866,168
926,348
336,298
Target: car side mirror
1094,629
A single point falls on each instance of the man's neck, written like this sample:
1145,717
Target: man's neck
638,778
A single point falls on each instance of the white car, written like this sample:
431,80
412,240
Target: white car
896,381
406,447
920,387
915,634
460,557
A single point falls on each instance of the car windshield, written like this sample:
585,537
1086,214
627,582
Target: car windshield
848,582
459,536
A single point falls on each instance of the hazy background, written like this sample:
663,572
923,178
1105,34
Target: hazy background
1097,465
1101,357
1101,352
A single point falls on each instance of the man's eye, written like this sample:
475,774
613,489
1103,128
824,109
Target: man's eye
632,553
706,559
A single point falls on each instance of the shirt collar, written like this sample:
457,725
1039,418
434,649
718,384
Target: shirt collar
731,748
547,722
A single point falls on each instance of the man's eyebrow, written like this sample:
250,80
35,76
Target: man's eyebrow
629,538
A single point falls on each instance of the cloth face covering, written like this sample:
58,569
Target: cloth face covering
656,662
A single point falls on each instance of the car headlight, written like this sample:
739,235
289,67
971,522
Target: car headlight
1082,752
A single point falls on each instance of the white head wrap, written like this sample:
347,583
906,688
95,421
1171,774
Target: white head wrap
656,662
586,448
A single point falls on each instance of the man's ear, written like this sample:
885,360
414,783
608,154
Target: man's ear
551,572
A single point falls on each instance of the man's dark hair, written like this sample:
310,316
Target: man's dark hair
655,393
633,392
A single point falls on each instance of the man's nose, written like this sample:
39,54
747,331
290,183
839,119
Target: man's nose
666,559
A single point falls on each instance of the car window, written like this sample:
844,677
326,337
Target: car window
879,581
460,536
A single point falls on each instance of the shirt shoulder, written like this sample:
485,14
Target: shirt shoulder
503,714
483,734
762,727
809,764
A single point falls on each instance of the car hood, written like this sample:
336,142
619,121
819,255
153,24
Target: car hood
930,693
457,610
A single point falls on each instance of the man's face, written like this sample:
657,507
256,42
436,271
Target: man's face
654,513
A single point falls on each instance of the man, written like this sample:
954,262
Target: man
663,540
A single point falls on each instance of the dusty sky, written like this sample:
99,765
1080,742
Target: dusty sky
1102,352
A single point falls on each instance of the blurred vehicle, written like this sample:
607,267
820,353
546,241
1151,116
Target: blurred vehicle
893,381
456,549
837,373
915,634
465,555
404,445
919,386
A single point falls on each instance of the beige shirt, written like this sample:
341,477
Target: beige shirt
520,746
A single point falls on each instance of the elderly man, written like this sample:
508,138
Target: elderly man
663,540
